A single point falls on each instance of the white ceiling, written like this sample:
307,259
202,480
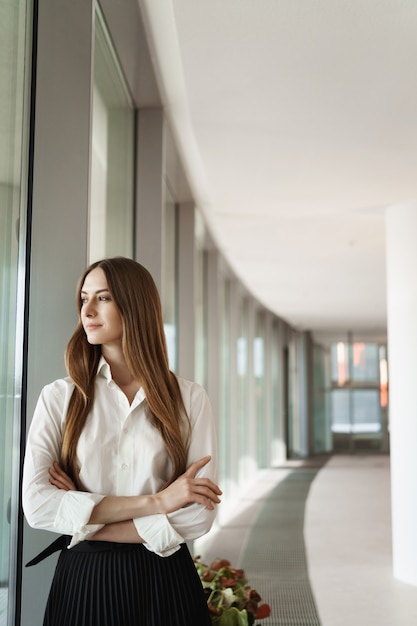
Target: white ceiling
297,125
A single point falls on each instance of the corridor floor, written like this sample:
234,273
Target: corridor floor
315,541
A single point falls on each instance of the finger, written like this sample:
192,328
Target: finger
206,482
58,475
196,466
208,494
60,479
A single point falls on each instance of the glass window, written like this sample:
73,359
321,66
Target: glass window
112,161
365,362
242,393
355,361
15,34
225,434
260,388
322,421
359,395
200,355
356,411
277,372
169,279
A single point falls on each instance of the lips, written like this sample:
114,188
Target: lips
93,326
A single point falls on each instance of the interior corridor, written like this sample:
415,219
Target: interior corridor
314,539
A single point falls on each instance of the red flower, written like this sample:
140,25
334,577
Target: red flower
251,607
208,575
263,611
216,565
227,582
254,595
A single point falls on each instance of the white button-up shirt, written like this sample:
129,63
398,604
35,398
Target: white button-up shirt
119,453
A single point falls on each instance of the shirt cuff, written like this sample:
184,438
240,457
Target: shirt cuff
73,514
158,534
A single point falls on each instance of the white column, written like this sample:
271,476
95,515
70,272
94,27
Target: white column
401,231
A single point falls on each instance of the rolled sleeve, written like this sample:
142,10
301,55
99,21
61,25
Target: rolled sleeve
73,514
45,506
194,521
158,534
163,534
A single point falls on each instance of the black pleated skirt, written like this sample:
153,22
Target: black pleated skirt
111,584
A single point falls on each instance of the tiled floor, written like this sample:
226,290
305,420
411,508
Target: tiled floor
347,534
3,606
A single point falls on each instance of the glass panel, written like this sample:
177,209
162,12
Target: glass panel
365,362
383,376
340,363
356,361
200,321
291,399
112,162
322,422
225,382
278,451
356,411
200,354
366,411
169,282
341,412
242,395
259,375
14,87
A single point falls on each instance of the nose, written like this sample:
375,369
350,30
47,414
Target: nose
88,309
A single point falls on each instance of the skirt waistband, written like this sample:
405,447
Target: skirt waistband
84,546
104,546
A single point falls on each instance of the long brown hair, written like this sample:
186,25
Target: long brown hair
144,348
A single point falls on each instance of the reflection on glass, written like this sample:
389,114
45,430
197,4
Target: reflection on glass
200,355
342,363
365,362
361,407
225,435
242,366
111,202
14,81
357,361
383,376
169,279
260,388
321,401
356,411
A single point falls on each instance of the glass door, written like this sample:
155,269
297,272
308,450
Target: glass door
15,32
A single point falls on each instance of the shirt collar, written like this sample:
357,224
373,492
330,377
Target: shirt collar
103,369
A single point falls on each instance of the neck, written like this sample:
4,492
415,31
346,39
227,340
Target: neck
120,372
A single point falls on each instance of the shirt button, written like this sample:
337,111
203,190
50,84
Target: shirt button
125,467
125,430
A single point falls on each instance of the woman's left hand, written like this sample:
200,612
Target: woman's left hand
60,479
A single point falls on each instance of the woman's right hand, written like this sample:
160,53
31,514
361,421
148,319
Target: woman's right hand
187,489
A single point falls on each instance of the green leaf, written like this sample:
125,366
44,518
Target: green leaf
232,617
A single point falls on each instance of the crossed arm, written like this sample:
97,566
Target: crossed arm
117,512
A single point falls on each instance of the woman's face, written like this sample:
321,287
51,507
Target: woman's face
100,317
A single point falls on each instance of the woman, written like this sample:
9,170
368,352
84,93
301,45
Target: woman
121,460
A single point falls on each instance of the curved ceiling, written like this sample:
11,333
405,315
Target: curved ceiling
297,126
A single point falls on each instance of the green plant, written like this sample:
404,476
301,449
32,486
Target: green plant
230,599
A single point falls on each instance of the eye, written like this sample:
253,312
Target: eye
104,298
83,300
